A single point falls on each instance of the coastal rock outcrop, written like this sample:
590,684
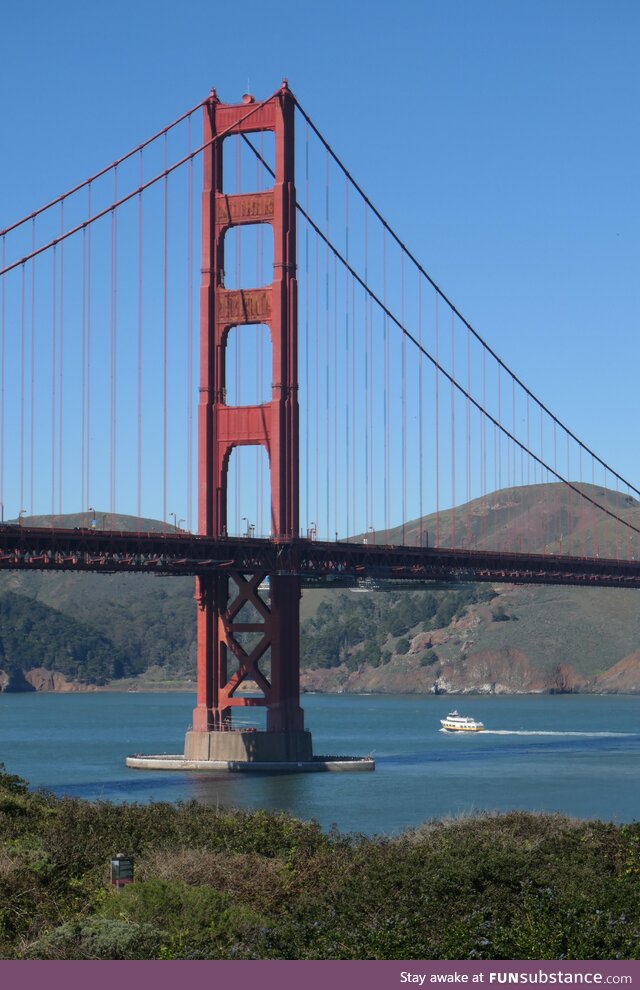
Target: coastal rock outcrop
39,679
502,671
622,678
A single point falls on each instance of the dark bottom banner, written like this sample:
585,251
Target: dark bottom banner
339,975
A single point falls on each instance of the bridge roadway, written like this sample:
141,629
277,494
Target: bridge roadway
316,563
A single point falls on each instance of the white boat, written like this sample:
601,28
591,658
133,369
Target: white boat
460,723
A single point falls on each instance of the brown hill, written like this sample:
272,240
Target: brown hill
544,518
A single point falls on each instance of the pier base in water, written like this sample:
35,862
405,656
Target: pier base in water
250,751
252,746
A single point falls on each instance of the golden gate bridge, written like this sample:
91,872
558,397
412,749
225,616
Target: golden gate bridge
329,419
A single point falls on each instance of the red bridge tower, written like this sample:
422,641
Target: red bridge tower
233,604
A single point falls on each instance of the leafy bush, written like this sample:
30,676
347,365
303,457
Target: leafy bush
428,659
11,782
500,615
98,939
198,922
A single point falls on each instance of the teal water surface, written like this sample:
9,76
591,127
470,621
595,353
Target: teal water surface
577,755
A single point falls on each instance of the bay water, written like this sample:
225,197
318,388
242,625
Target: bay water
578,755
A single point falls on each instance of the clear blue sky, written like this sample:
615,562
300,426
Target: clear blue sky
499,137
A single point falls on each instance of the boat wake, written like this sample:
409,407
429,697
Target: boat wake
551,732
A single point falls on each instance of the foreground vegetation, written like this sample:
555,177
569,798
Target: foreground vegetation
256,885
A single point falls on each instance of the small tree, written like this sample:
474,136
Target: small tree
499,614
428,659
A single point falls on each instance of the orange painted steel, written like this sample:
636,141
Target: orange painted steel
274,624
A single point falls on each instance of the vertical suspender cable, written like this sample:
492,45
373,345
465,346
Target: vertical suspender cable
532,499
483,444
420,413
2,372
61,364
354,486
139,362
335,398
497,448
507,502
556,494
32,417
326,344
607,552
595,538
317,388
88,425
114,301
453,430
437,424
468,439
385,381
307,293
616,524
367,484
371,396
404,404
514,455
581,508
571,497
347,364
520,505
84,504
54,306
165,339
190,328
22,380
544,490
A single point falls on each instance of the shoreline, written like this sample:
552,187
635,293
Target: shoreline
186,687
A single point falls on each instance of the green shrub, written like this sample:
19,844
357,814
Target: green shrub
98,938
11,782
199,921
428,658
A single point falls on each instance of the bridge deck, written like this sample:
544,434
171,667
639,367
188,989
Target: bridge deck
316,563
